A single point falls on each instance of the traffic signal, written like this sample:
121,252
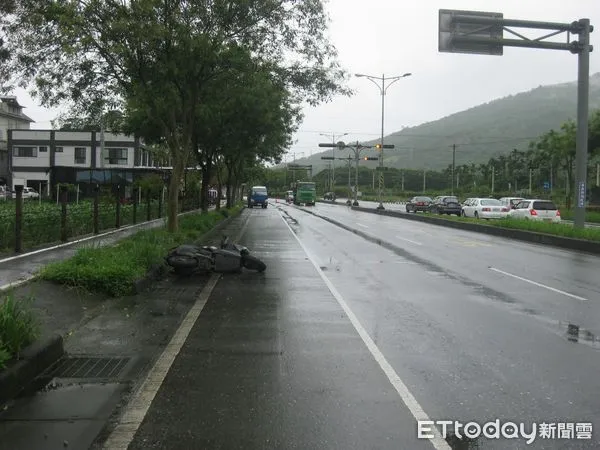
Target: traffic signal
370,158
327,157
378,146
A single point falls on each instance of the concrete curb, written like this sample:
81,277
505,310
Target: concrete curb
34,360
157,272
511,233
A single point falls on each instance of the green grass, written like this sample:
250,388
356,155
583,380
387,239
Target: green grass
18,327
113,270
556,229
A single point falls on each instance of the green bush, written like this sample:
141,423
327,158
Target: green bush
113,270
18,327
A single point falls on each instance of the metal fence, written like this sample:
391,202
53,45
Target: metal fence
27,224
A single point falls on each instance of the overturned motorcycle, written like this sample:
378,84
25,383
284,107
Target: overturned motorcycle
188,259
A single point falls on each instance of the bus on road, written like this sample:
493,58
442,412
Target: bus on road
305,192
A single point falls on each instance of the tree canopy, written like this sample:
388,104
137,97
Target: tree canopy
179,70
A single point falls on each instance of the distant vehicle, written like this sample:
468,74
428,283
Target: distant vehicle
28,193
418,204
306,192
536,209
258,196
445,204
484,208
329,196
510,202
289,197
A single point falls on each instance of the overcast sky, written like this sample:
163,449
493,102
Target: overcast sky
393,37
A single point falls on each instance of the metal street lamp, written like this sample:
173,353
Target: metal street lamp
383,89
333,140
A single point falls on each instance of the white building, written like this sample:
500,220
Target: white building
11,118
43,158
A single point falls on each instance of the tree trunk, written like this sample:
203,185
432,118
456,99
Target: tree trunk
206,174
173,194
228,184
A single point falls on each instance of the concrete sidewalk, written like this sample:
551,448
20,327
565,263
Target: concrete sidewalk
273,362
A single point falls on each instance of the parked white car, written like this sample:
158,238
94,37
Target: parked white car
484,208
511,202
536,209
28,193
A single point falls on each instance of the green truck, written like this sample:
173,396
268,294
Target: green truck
305,192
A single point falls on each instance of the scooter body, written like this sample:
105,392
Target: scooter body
230,257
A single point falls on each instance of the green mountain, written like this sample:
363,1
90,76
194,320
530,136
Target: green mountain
479,133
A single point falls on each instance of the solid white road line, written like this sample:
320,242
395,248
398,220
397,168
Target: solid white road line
535,283
415,408
408,240
362,225
138,406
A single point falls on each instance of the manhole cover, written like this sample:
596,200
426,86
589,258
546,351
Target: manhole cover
88,367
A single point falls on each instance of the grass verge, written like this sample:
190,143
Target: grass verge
556,229
113,270
18,327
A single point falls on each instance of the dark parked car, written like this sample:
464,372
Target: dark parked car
418,204
445,204
329,196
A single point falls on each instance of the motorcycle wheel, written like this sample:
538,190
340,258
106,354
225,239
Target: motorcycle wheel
252,263
182,262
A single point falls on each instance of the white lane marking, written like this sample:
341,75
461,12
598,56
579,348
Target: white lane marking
138,406
362,225
535,283
409,240
409,400
17,283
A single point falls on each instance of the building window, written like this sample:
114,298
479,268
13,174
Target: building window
43,149
80,155
58,149
117,156
25,152
137,157
145,158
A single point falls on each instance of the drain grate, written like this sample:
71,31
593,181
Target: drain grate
88,367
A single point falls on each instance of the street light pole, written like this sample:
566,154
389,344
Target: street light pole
383,89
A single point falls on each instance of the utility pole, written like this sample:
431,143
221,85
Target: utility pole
493,174
424,179
530,176
597,174
403,181
453,165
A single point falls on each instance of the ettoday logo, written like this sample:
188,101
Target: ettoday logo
506,430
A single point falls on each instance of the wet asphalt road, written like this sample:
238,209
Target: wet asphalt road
274,362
